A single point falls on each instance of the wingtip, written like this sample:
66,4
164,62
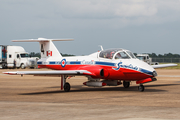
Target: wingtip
5,73
10,73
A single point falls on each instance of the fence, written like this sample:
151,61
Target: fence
166,60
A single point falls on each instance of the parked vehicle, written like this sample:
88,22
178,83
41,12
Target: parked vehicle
146,58
16,57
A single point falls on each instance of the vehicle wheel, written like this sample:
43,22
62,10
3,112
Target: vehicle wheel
22,66
67,87
4,66
126,84
141,88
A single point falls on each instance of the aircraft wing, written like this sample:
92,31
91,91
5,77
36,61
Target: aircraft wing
163,65
53,72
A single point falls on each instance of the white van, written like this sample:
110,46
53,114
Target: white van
16,57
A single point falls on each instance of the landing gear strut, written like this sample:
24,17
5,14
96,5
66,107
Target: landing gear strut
65,84
126,84
67,87
141,88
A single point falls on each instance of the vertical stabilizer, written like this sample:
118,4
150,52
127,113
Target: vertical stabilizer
48,49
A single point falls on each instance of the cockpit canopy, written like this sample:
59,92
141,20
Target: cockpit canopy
116,54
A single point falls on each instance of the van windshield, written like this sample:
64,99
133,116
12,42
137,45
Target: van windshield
141,57
24,55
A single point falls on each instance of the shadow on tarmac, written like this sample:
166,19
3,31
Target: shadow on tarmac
80,88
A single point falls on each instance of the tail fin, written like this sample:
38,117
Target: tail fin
48,49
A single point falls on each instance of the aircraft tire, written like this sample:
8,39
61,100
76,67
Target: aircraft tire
126,84
67,87
141,88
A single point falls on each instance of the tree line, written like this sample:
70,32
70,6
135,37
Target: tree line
166,55
33,54
165,58
152,55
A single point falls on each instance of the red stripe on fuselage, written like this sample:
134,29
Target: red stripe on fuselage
121,74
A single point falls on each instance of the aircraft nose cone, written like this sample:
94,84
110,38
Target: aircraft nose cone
146,68
154,73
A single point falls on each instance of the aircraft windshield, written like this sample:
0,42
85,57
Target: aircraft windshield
24,55
131,54
121,55
108,53
114,53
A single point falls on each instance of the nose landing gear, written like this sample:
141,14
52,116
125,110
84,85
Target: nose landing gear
141,88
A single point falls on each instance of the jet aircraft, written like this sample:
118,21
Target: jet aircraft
109,67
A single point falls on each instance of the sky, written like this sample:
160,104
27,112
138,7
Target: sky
141,26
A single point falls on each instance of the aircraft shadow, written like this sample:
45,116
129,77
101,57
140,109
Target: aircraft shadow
159,85
79,88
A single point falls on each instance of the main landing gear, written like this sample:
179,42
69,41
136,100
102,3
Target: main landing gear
65,85
126,84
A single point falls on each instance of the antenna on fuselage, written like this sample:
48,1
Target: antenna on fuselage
101,47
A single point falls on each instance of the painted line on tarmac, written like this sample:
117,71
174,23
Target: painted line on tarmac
168,75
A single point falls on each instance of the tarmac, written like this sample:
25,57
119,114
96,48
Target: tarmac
32,97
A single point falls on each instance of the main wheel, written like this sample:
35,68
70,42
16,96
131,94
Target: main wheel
141,88
67,87
126,84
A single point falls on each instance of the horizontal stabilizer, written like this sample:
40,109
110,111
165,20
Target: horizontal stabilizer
57,72
164,65
41,40
47,47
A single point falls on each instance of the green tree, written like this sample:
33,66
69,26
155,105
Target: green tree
33,54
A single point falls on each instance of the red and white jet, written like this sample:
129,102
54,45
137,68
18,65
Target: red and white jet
109,67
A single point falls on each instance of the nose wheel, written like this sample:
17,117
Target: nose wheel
141,88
